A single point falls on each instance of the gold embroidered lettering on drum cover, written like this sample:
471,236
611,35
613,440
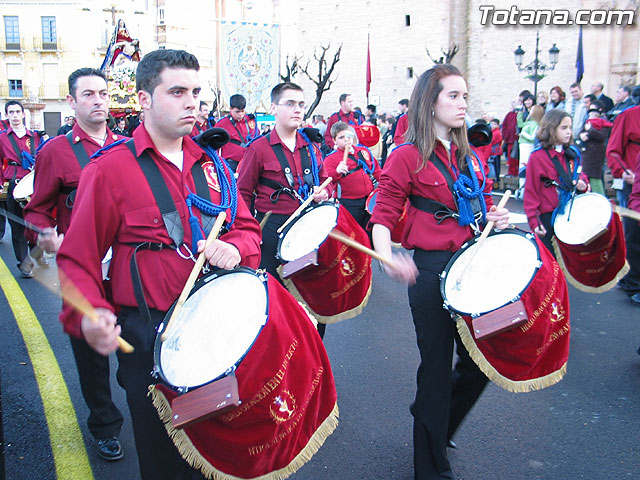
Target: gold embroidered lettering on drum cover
553,337
545,301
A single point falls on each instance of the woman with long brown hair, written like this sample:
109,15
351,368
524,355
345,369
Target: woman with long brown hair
441,177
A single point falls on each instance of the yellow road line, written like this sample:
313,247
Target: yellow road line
69,452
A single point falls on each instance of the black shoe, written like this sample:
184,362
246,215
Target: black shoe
451,444
110,449
635,299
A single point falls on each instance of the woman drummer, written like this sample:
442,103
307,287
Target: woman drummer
553,174
436,163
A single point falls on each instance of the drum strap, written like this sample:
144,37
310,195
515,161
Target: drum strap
564,174
83,160
362,164
243,143
439,210
27,161
279,189
16,149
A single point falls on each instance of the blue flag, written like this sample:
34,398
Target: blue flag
579,59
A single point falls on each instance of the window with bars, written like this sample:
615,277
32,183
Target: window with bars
12,33
49,33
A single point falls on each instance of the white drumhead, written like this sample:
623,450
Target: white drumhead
24,188
500,272
590,216
308,232
214,329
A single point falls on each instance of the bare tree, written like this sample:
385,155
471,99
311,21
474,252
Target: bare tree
292,65
448,55
322,79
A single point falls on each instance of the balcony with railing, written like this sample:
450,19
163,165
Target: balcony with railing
11,46
44,45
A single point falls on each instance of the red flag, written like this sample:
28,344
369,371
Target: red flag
368,86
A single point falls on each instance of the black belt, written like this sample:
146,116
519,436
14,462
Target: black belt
279,189
439,210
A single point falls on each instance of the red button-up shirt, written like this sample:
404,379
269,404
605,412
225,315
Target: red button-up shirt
57,168
401,128
238,132
539,199
357,184
399,179
198,128
634,196
624,142
260,161
352,118
8,154
115,207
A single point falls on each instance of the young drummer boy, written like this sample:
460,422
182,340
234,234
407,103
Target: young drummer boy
354,169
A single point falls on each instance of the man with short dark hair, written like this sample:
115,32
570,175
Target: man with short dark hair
128,197
402,122
623,102
346,114
18,147
57,175
372,118
66,127
242,130
575,107
597,90
202,119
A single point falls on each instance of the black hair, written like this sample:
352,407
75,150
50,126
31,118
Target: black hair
238,101
276,93
83,72
343,97
372,108
592,98
153,63
13,102
404,101
202,102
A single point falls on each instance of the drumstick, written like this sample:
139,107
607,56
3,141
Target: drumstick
304,205
627,212
21,221
483,237
74,297
342,237
195,271
263,222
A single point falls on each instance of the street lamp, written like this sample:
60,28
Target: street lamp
536,70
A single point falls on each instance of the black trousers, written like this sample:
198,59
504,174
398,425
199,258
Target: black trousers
157,455
269,249
545,218
355,206
3,219
20,247
631,281
105,420
443,398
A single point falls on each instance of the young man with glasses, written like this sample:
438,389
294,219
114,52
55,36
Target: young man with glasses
262,172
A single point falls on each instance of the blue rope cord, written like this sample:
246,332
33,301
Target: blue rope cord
305,190
467,189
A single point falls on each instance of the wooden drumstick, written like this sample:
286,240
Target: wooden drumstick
627,212
342,237
74,297
195,271
304,205
263,222
483,236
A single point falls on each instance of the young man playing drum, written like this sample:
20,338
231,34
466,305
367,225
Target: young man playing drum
18,145
57,175
121,197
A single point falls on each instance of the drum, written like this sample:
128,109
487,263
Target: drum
24,189
332,279
589,244
368,135
396,234
241,325
5,189
587,218
512,266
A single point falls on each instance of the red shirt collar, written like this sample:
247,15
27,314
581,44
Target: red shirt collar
275,138
11,130
78,134
192,152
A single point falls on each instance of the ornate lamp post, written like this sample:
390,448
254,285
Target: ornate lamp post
536,70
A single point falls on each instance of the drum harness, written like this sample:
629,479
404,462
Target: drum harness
250,136
27,159
170,216
310,173
568,178
467,193
362,164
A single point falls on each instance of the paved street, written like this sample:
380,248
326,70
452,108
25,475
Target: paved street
585,427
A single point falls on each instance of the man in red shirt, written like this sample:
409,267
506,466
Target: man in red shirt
346,114
18,146
202,120
631,281
509,131
356,173
127,201
242,131
57,173
623,148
